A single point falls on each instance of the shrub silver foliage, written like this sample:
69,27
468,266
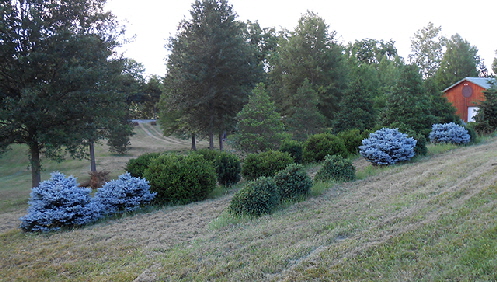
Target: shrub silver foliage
125,194
387,146
59,202
449,133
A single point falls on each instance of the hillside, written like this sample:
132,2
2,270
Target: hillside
425,221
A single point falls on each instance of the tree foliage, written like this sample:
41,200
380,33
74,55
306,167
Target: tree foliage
211,70
57,78
427,49
459,60
310,52
259,127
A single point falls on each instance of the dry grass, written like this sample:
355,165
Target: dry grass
429,220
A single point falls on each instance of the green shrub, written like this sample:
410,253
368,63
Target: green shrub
293,182
209,154
265,164
256,198
181,179
336,168
228,169
352,139
317,146
227,165
294,148
137,166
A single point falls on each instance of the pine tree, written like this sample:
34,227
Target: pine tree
211,69
260,127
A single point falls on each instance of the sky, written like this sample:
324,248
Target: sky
151,22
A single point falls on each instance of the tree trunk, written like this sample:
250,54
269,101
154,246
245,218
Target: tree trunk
211,140
93,164
194,146
221,140
35,164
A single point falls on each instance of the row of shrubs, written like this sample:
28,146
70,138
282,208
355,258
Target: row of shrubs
263,194
172,178
60,202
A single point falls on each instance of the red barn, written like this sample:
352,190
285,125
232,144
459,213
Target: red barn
466,94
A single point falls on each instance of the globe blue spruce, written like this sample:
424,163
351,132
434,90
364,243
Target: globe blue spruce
387,146
449,133
59,202
125,194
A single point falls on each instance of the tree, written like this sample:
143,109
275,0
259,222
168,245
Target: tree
304,118
427,49
310,52
356,107
371,51
408,103
487,113
459,60
57,77
494,64
211,69
260,127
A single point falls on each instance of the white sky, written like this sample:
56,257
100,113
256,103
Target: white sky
152,22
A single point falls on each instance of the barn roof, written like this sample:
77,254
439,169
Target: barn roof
484,82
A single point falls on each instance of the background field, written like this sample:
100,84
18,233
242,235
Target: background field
429,220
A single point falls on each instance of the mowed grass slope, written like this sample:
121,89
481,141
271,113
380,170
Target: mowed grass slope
431,220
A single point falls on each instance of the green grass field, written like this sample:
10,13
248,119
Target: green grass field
429,220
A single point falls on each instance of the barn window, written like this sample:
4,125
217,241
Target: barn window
467,91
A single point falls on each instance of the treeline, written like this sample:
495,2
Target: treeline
225,76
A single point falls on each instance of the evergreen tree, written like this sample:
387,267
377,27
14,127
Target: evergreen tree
304,118
356,108
260,127
211,69
57,77
408,103
310,52
487,114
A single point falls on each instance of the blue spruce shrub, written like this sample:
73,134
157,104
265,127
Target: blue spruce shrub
256,198
293,182
387,146
59,202
125,194
449,133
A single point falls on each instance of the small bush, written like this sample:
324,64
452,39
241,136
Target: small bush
317,146
449,133
387,146
293,182
336,168
228,169
137,166
59,202
125,194
265,164
352,139
256,198
181,179
294,148
227,165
